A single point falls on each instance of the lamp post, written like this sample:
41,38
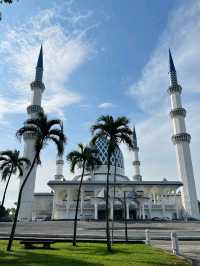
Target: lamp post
125,218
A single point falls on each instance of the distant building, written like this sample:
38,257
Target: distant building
144,199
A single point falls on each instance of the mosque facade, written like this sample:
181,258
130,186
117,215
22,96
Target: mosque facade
133,196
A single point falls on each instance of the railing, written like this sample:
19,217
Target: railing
156,207
170,207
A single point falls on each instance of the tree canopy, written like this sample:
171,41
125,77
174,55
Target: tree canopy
5,2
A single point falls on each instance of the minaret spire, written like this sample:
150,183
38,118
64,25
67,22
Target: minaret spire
181,140
171,63
136,162
134,137
39,67
172,70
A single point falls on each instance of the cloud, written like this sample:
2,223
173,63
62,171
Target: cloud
106,105
149,93
66,48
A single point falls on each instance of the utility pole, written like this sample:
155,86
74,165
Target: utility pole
125,219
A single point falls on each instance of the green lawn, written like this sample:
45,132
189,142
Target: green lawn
88,255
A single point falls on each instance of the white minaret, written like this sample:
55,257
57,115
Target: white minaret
136,162
59,168
37,87
181,140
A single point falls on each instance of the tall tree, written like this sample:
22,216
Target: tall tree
44,131
84,158
11,163
115,131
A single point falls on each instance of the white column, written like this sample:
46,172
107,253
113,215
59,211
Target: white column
68,203
177,207
154,197
127,211
57,212
163,206
59,168
82,202
143,212
175,245
147,237
95,211
140,212
150,208
111,210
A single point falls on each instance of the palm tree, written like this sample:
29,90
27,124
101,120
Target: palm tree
84,158
116,131
44,131
11,163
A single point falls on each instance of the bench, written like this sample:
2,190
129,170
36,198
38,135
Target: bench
31,244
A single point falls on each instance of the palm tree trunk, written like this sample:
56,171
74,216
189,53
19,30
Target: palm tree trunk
4,194
114,198
19,202
107,207
77,205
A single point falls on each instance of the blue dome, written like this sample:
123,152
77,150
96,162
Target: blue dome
102,147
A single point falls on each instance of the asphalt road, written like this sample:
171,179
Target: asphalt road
97,229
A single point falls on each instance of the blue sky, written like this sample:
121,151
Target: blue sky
101,57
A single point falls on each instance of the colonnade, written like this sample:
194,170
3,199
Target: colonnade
154,204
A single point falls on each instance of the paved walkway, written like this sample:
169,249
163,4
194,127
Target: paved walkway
188,249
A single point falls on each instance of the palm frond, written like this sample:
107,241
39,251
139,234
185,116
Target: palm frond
59,133
24,161
20,170
44,131
97,136
5,173
5,164
3,158
114,130
84,156
121,121
28,128
54,122
73,154
7,153
59,144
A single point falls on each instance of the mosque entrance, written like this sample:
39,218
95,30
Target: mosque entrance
101,214
118,214
132,214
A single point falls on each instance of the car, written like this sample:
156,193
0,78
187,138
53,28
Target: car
156,219
166,219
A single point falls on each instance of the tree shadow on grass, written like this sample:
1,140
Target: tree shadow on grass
22,258
101,249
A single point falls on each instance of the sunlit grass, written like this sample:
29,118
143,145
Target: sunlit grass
86,254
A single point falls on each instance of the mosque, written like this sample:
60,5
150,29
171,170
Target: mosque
133,196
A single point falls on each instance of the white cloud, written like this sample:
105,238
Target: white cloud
149,92
64,51
106,105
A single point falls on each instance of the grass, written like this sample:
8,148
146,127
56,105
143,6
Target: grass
85,254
